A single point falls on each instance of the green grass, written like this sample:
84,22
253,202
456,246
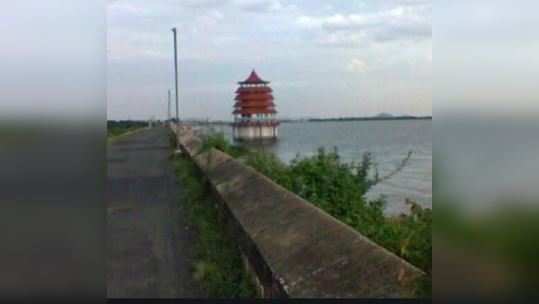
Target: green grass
339,189
219,267
115,132
117,128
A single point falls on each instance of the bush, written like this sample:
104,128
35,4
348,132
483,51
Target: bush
219,142
339,189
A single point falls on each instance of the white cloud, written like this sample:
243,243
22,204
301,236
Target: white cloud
340,22
404,22
125,7
341,39
308,22
259,6
253,6
204,3
356,65
209,20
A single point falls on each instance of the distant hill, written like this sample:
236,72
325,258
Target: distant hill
384,115
381,116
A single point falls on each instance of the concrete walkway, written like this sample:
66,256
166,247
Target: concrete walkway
150,247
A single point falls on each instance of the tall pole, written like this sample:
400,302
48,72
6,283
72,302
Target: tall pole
168,115
176,73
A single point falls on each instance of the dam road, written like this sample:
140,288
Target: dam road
149,245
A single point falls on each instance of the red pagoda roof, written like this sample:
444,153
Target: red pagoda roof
254,99
254,104
254,111
254,90
253,79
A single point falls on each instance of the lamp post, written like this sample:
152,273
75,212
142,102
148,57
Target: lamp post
168,112
176,72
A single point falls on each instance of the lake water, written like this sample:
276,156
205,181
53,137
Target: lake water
388,141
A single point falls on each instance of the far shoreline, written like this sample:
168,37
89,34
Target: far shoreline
361,119
343,119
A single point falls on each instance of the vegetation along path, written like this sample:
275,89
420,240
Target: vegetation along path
149,248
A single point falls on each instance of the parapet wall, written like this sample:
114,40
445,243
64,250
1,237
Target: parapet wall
294,248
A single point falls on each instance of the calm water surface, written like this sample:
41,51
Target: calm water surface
389,143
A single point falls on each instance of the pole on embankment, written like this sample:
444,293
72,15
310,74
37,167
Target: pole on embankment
168,111
176,72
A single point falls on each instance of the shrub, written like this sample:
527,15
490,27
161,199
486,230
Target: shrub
339,189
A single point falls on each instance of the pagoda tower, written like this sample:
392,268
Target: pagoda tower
254,110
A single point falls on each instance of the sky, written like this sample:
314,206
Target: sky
96,59
323,58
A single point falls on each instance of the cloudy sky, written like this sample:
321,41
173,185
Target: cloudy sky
324,58
345,58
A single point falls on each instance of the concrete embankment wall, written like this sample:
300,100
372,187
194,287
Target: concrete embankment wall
293,248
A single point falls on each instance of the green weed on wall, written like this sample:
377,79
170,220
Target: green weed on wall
219,267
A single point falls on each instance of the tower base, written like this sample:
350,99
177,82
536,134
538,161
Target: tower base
254,132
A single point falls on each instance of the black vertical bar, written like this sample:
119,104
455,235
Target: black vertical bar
176,73
168,111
